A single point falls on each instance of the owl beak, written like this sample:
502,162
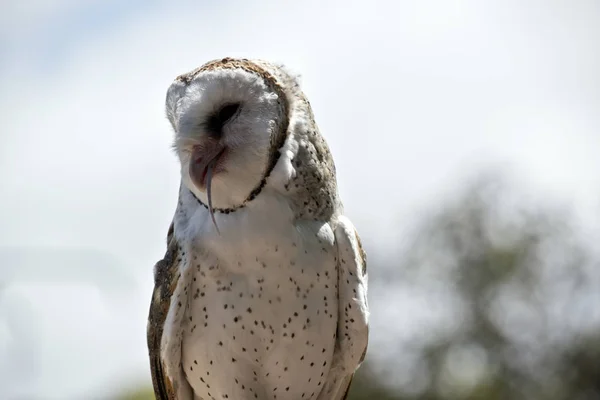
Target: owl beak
203,157
202,167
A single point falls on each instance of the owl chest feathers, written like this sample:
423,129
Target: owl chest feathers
260,297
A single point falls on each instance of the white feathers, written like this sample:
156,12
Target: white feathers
247,136
275,306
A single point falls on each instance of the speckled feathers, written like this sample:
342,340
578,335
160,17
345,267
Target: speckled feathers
274,305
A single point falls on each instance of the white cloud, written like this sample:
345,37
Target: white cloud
410,96
22,16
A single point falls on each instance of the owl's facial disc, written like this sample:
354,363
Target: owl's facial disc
225,121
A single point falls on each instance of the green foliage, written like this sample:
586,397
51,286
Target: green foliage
142,393
521,286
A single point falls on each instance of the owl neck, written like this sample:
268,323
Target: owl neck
255,192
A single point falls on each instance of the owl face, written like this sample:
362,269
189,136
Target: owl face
225,120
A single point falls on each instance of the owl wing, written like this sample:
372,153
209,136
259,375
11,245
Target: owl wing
353,309
166,277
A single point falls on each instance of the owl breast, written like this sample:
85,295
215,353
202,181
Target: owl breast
262,314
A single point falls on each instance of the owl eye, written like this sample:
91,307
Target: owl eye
216,121
228,111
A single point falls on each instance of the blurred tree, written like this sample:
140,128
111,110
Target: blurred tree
142,393
522,295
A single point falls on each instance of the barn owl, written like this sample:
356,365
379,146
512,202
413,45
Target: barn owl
262,293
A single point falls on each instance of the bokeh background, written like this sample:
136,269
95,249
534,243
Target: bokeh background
466,135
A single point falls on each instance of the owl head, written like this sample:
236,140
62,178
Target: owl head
230,118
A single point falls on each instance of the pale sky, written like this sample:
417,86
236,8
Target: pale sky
412,96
